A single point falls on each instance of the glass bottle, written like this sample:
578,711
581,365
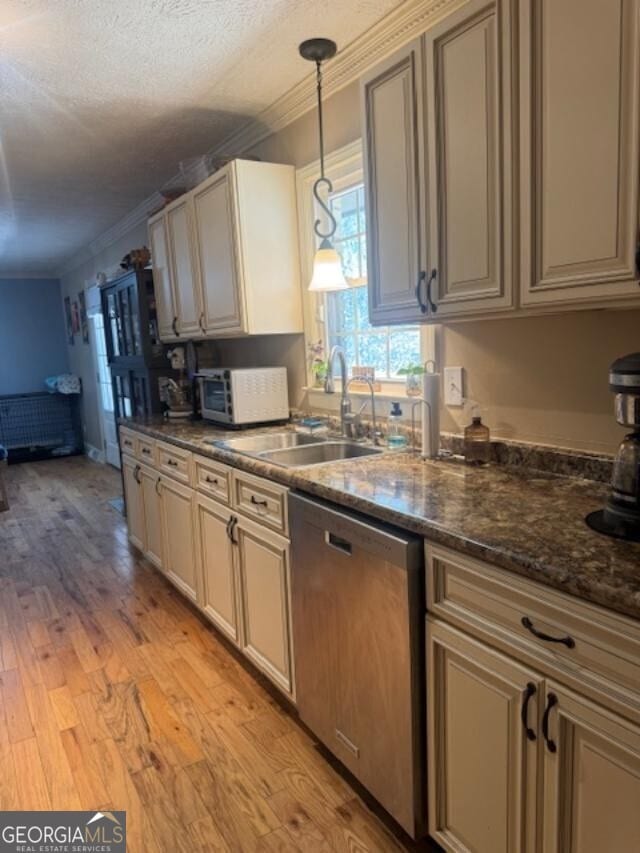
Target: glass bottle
395,438
477,442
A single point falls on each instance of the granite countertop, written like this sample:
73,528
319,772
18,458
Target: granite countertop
530,522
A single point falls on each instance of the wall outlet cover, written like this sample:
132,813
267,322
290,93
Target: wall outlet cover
453,390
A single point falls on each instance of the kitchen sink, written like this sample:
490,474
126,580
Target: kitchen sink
255,445
315,454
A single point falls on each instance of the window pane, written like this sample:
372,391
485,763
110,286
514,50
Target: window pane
349,251
404,349
347,342
363,256
362,304
345,209
341,312
373,352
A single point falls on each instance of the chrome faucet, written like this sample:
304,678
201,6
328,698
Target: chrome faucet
329,386
351,420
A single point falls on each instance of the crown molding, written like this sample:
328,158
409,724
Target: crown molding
401,25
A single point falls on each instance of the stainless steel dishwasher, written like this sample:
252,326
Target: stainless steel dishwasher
358,627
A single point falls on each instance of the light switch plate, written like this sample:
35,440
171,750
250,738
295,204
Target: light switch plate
453,392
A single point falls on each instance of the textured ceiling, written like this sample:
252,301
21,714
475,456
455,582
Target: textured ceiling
100,100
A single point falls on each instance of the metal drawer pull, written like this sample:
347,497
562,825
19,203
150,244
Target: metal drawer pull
136,474
172,462
552,701
529,692
567,641
432,304
336,542
146,450
158,482
423,305
213,480
231,526
350,745
256,502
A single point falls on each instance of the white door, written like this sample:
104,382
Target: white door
178,541
105,389
150,480
217,565
133,497
162,282
186,282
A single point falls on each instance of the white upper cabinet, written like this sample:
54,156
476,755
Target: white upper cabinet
394,178
162,280
469,130
233,247
184,271
217,258
579,160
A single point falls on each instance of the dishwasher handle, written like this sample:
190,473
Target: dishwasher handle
338,543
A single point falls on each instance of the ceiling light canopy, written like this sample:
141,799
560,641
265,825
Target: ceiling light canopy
327,267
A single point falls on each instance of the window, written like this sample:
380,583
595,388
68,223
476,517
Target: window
388,349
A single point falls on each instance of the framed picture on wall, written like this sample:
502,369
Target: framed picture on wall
67,314
75,318
84,325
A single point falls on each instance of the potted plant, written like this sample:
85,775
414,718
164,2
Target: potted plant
317,363
413,374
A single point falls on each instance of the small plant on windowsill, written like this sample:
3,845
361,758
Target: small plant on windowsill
317,363
413,374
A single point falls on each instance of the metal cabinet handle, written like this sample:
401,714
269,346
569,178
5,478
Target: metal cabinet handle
212,480
172,463
423,305
231,526
256,502
174,326
552,701
146,451
432,304
201,323
529,693
158,484
567,641
136,474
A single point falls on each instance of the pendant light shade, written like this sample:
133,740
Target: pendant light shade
327,270
327,266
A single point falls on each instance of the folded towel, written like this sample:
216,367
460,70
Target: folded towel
65,383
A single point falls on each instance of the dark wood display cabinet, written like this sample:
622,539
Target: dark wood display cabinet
137,357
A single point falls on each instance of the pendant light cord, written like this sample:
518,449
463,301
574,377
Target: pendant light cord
322,179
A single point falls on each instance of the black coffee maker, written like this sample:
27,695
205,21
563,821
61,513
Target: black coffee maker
621,515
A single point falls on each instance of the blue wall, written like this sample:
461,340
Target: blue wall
32,334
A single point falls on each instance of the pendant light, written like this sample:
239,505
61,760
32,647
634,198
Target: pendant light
327,266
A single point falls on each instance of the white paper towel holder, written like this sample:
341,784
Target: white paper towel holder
430,448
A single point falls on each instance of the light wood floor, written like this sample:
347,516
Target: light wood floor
115,694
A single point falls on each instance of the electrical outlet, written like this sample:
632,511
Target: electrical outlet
453,392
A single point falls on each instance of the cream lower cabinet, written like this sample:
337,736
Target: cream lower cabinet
263,569
178,535
591,787
150,483
134,501
481,764
217,566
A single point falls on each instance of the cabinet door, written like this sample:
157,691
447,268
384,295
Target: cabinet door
214,213
592,780
263,563
133,498
394,178
217,565
176,508
481,765
468,86
165,300
153,525
186,284
579,160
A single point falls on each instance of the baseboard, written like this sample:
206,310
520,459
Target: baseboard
95,454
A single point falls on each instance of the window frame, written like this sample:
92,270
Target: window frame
345,168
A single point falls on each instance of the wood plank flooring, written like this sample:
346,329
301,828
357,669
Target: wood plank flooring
116,694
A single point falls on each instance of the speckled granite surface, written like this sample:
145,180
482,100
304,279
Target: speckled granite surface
522,519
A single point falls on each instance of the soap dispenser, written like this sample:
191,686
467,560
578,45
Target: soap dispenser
477,441
394,437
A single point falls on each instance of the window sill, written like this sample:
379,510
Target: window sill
388,391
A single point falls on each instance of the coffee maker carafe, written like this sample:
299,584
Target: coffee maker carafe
621,514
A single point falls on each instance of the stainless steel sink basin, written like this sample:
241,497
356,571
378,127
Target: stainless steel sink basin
256,444
316,454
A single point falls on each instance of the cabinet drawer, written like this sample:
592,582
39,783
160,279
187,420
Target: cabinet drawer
532,620
146,450
212,478
128,441
262,500
174,461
